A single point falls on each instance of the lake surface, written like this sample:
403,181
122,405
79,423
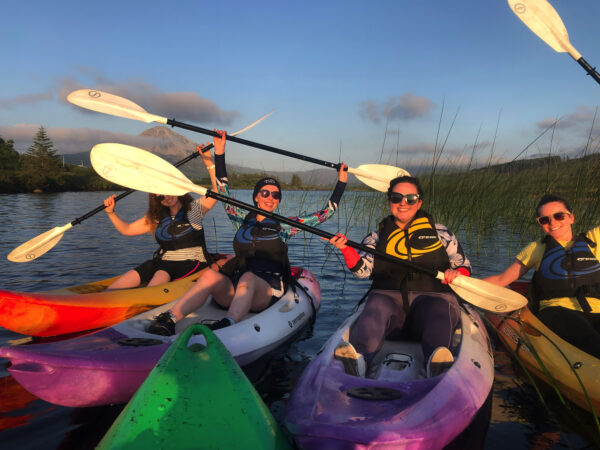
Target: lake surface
94,250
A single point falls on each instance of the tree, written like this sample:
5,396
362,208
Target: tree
10,162
40,163
9,157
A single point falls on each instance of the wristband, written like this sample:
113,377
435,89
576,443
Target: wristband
351,256
464,271
210,167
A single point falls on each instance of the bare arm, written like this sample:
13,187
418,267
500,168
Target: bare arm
138,227
513,272
208,203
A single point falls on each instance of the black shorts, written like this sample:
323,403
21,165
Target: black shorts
175,269
275,280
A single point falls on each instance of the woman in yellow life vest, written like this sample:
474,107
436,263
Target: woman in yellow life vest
565,288
403,302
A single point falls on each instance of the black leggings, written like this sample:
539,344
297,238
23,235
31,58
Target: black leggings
576,327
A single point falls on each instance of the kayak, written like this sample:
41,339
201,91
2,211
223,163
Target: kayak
569,368
196,397
84,307
396,405
108,366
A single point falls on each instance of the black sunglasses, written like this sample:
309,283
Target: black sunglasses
559,217
159,197
411,199
264,193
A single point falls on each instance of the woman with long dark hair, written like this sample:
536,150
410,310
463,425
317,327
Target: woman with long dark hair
176,222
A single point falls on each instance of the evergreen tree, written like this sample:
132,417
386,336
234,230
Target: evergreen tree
10,162
9,157
40,163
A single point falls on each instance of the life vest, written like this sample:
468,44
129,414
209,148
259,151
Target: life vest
258,246
175,233
567,273
420,244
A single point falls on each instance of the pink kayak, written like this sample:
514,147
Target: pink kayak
396,405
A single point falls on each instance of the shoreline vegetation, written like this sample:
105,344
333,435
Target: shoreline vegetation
477,202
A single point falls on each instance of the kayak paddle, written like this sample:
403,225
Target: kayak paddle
543,20
36,247
144,171
376,176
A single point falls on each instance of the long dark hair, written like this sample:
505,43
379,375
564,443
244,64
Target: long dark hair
155,207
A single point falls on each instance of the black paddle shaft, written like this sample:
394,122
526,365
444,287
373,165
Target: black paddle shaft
318,232
175,123
589,69
130,191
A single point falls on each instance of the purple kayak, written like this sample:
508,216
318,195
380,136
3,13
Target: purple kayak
108,366
396,405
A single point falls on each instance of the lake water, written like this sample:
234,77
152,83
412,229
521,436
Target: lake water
94,250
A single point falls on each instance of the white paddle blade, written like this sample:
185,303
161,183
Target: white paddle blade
541,18
377,176
486,295
112,104
138,169
36,247
256,122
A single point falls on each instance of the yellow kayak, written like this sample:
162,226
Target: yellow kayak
574,372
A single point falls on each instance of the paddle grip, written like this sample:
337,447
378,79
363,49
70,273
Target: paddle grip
318,232
268,148
129,191
589,69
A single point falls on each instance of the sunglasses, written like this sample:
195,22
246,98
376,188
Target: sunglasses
559,217
160,198
411,199
264,193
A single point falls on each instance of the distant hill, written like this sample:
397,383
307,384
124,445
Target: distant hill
523,164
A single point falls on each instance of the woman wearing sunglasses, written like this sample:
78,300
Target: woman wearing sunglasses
403,302
259,273
565,288
176,222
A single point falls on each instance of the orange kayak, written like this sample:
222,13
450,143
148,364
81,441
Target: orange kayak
82,308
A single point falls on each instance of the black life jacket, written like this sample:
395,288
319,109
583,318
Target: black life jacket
567,273
420,244
258,246
175,233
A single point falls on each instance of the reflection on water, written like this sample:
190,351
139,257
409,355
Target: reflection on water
94,250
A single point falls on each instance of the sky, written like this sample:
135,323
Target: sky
363,82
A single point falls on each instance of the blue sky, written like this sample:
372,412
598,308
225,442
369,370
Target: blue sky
337,74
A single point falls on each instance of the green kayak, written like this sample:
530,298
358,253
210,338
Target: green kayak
196,397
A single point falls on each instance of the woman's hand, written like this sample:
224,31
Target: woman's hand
206,156
109,204
338,241
343,173
450,275
219,142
